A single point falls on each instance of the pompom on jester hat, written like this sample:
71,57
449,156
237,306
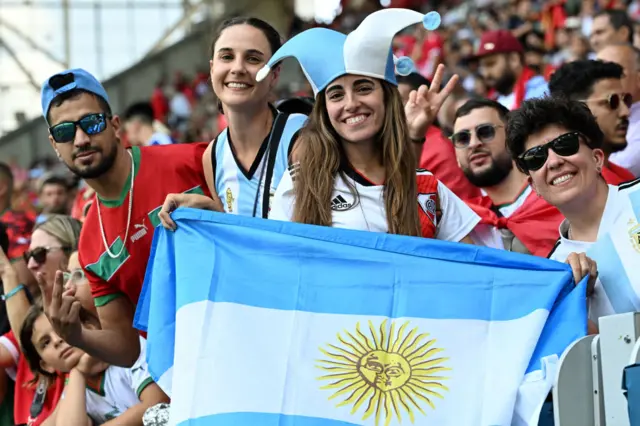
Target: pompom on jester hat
325,55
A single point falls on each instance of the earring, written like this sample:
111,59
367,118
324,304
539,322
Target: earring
598,169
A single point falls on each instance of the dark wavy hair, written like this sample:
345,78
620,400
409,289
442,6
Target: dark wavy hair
575,80
537,114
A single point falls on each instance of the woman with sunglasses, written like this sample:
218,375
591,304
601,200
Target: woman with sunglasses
558,144
356,162
52,242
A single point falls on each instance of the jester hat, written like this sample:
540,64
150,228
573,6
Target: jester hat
325,55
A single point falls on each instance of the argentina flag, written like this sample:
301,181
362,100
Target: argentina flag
258,322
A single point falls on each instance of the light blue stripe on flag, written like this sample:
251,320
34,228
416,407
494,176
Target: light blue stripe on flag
613,275
262,419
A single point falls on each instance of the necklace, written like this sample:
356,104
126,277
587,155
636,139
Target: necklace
126,233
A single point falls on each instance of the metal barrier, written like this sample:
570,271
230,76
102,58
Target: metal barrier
589,387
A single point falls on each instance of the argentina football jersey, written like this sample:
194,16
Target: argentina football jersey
242,191
616,252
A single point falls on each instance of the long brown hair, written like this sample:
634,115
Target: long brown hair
319,159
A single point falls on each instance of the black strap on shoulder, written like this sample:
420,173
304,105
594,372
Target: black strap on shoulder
272,148
213,158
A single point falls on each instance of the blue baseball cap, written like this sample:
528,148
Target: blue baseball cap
66,81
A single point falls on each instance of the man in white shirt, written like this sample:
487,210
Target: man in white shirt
138,124
628,57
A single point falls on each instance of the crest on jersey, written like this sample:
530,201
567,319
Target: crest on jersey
230,199
340,204
427,203
634,235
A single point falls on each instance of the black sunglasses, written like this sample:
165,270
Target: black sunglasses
484,132
91,124
564,145
39,254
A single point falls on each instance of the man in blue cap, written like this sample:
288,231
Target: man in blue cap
117,233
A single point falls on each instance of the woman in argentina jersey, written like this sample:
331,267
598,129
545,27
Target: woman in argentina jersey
245,162
355,162
558,143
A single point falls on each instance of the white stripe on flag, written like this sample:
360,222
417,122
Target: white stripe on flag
237,358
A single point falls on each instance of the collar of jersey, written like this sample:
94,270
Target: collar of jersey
261,152
347,168
135,151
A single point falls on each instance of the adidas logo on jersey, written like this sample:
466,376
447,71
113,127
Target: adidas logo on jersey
339,204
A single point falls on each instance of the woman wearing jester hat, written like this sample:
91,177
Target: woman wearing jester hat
354,160
251,153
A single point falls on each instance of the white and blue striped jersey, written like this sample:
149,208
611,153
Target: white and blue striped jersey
239,189
616,251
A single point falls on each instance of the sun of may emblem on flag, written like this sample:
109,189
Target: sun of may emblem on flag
389,373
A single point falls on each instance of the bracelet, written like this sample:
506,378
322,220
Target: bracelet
420,140
13,292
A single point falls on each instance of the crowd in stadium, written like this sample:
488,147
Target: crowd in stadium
520,119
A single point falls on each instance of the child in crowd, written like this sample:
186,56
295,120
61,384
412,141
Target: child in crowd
95,392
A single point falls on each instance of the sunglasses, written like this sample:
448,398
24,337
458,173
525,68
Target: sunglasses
614,100
564,145
91,124
39,254
484,132
77,275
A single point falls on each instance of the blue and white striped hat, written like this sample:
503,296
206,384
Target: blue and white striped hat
325,55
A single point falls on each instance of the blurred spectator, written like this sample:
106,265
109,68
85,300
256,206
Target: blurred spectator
160,103
83,200
628,57
502,66
18,224
611,26
599,85
138,124
179,110
53,196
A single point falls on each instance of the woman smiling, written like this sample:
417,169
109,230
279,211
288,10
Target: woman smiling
558,143
355,160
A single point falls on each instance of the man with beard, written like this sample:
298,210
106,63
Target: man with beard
502,65
131,186
513,217
599,85
628,57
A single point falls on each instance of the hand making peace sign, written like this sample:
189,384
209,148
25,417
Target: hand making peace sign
423,105
63,311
